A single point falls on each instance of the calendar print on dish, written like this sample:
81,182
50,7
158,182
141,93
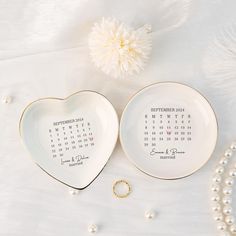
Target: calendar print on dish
71,137
166,126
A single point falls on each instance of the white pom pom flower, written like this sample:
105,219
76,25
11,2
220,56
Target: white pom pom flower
117,49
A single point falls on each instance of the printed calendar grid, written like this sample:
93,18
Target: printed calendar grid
166,127
70,136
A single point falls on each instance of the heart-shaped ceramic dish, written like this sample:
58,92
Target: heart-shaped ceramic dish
71,139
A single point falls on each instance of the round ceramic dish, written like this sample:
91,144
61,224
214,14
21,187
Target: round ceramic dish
168,130
73,138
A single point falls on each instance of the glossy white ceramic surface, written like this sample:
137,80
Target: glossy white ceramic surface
71,139
168,130
33,203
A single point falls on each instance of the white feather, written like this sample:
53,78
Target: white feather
220,62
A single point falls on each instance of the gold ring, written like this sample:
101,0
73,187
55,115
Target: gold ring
121,182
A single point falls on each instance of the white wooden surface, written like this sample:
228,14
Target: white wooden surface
43,51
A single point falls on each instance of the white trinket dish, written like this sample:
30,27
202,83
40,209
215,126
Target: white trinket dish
168,130
71,139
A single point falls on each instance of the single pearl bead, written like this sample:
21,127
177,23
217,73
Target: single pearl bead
73,191
228,153
233,229
216,207
232,173
227,200
229,181
221,226
218,216
219,170
229,219
6,99
150,214
227,210
215,198
223,161
216,179
227,190
233,146
92,228
215,188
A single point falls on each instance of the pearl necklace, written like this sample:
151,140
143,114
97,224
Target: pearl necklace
222,188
